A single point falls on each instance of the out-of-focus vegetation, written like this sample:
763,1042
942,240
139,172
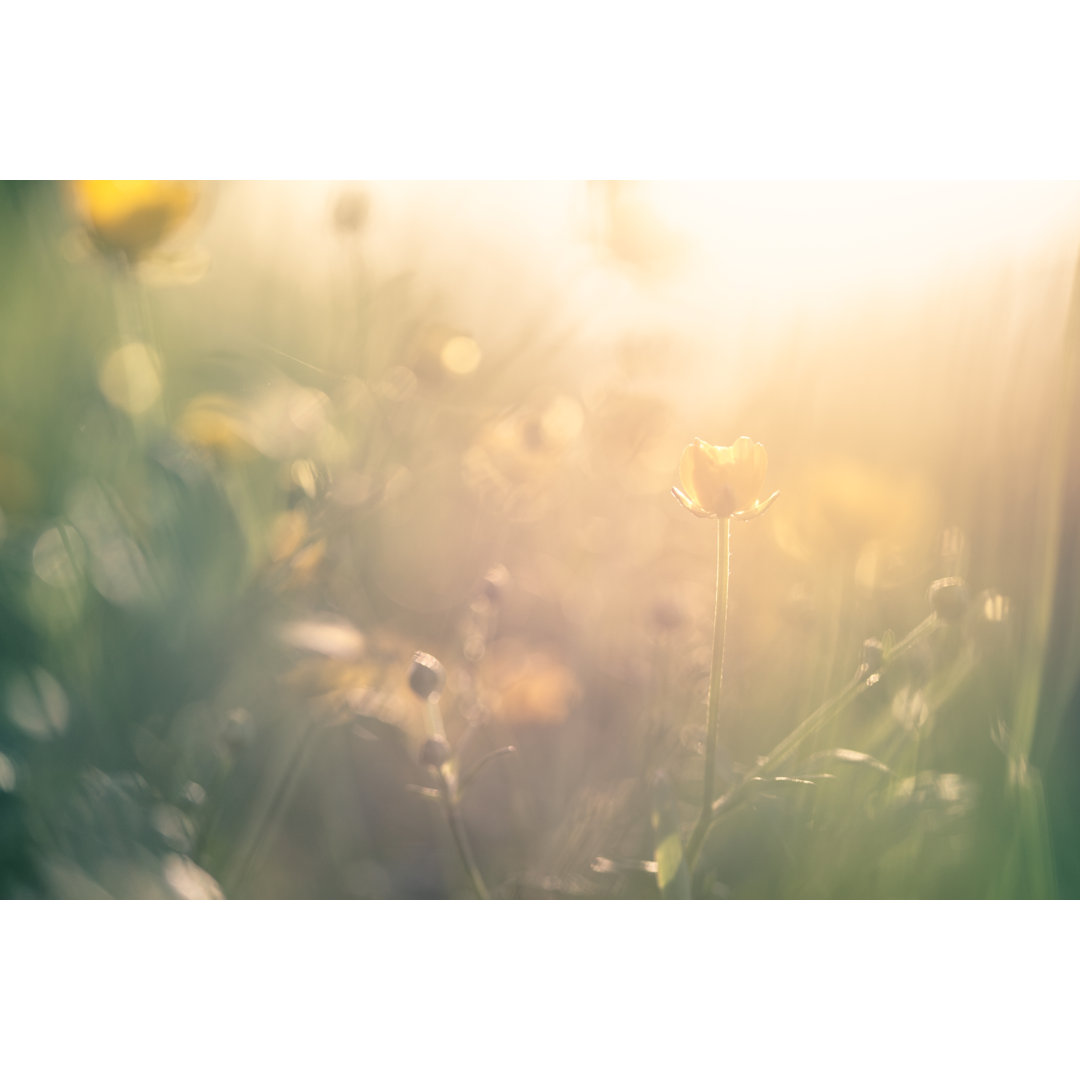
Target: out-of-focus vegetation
261,445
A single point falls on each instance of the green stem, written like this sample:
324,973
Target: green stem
1047,531
271,812
448,789
716,678
436,728
813,723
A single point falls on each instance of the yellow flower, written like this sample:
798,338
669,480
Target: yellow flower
874,518
214,423
526,685
723,481
129,217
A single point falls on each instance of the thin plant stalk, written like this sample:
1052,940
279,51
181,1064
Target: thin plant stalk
716,678
821,716
272,811
449,790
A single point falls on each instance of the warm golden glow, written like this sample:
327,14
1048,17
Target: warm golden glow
338,553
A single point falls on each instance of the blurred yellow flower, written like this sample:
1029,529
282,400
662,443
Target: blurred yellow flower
294,547
723,481
212,422
871,518
304,564
130,217
526,685
849,504
287,532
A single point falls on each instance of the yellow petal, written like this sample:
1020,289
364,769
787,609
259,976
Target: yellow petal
133,216
723,480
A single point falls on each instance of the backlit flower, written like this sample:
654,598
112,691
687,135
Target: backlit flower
723,481
216,424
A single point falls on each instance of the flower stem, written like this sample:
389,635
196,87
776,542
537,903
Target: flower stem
821,716
448,790
272,812
716,678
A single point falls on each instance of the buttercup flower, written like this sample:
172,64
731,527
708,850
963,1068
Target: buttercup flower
215,423
129,217
723,481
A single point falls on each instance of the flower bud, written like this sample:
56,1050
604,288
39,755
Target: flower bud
719,481
426,676
948,598
435,752
872,653
130,217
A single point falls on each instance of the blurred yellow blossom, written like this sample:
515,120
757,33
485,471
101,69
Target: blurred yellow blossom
723,481
305,562
294,547
130,217
864,515
287,532
212,422
526,685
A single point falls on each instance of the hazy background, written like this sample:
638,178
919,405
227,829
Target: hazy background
397,416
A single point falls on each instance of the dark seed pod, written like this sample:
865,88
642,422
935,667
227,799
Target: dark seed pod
426,676
435,752
872,653
949,598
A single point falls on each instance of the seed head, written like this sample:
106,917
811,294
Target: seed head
426,676
435,752
872,653
949,598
